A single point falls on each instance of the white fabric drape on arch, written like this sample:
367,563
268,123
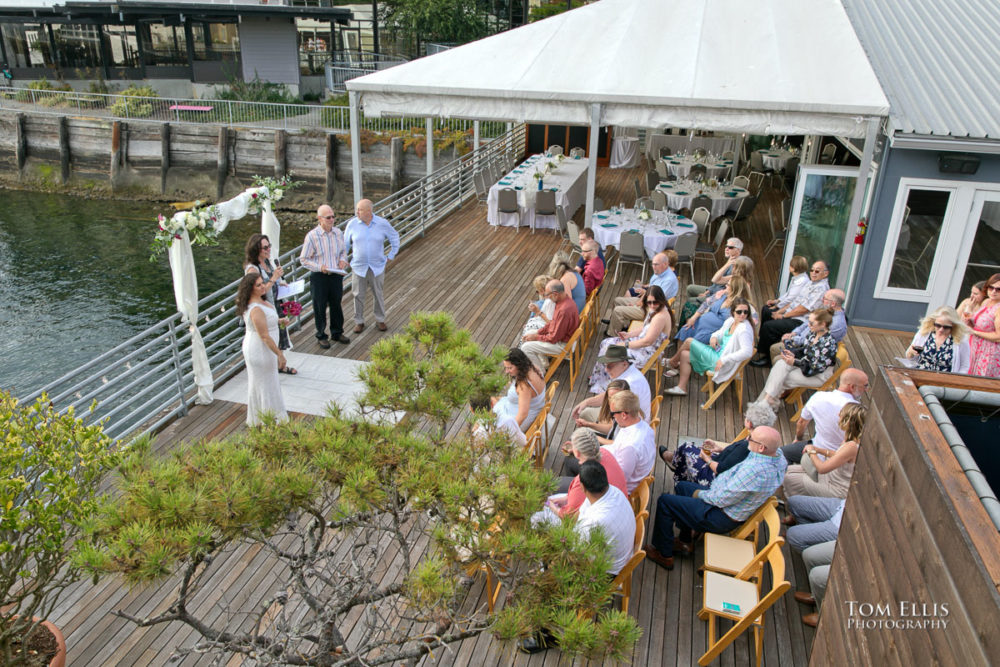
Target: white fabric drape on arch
186,278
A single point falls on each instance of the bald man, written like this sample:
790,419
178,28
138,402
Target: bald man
324,253
728,502
824,408
366,234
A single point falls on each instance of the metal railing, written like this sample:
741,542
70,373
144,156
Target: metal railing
214,112
347,65
147,381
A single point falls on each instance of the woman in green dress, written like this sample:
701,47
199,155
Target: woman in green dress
730,346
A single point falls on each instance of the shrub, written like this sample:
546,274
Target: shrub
130,103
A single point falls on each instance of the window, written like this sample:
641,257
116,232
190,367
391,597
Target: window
77,45
27,45
163,44
917,239
215,41
122,45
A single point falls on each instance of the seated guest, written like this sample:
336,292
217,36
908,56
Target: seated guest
702,463
541,310
642,344
526,395
970,305
593,269
634,446
618,367
722,507
552,338
711,317
734,249
807,366
824,407
798,281
833,300
787,318
942,343
817,560
728,347
608,508
628,308
585,447
827,472
571,280
587,234
603,425
812,520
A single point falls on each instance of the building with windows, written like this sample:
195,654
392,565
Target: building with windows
178,47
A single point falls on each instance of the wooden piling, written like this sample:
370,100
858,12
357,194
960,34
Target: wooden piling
164,156
223,164
63,150
116,154
331,165
280,153
395,163
20,141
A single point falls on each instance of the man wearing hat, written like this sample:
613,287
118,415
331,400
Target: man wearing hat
619,367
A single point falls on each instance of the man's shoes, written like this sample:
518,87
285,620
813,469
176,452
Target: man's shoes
763,362
381,326
812,620
342,339
658,558
323,343
358,328
804,597
686,548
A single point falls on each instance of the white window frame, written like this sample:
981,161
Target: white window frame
882,289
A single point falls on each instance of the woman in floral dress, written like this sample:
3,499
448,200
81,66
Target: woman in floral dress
985,342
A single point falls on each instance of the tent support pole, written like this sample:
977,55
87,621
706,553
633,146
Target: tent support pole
595,131
429,129
475,144
353,97
859,198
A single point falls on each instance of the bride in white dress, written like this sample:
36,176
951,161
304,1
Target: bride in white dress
260,351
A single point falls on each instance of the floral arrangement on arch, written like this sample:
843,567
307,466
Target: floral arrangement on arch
269,189
200,223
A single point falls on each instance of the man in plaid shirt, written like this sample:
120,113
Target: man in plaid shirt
729,501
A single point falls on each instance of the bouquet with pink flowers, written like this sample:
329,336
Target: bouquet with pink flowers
291,308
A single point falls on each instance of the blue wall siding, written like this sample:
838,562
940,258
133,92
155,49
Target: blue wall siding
864,309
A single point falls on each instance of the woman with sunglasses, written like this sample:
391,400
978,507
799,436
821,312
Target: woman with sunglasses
257,260
985,341
806,362
728,347
641,344
941,344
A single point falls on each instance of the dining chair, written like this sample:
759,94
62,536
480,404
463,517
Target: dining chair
743,212
507,203
777,235
788,173
685,247
652,179
741,182
573,236
756,182
710,250
702,201
545,205
555,149
786,211
659,200
829,152
638,190
664,152
661,169
701,217
698,172
631,250
756,162
482,192
728,155
598,204
644,202
563,222
577,152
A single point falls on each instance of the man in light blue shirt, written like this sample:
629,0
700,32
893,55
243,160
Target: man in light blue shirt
365,238
628,308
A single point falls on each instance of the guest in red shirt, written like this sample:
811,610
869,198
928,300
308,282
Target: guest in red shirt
593,268
585,447
552,338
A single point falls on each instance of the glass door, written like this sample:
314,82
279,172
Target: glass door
981,239
819,225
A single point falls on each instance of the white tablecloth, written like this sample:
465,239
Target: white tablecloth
569,179
624,152
680,194
680,166
608,228
775,158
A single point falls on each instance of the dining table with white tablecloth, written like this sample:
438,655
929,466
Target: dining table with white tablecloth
659,232
776,158
680,165
680,194
567,178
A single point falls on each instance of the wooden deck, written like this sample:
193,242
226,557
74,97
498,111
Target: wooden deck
483,277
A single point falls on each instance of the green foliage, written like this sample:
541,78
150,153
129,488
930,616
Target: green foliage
51,467
437,20
129,102
552,7
42,85
256,90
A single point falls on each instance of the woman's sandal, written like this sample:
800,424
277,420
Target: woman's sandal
288,370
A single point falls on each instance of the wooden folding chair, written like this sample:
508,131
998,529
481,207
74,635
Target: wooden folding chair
570,351
714,391
653,364
623,580
738,599
536,445
640,495
842,364
731,554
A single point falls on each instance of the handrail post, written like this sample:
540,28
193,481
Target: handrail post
423,204
229,105
175,353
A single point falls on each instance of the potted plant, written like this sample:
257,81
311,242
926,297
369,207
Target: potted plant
51,467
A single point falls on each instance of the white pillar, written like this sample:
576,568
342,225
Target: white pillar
354,98
595,131
859,197
475,143
429,124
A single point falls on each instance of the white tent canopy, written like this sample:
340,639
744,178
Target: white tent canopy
766,67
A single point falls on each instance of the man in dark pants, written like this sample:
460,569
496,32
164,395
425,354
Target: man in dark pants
325,254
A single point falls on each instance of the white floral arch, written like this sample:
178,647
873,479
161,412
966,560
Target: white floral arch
206,224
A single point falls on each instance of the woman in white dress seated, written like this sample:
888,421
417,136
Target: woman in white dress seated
541,310
260,351
728,347
656,326
526,395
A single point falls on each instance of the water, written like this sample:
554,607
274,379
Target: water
76,280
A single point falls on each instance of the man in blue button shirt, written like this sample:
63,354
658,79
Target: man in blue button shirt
365,237
628,308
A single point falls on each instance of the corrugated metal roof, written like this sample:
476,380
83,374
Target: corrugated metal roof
938,62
